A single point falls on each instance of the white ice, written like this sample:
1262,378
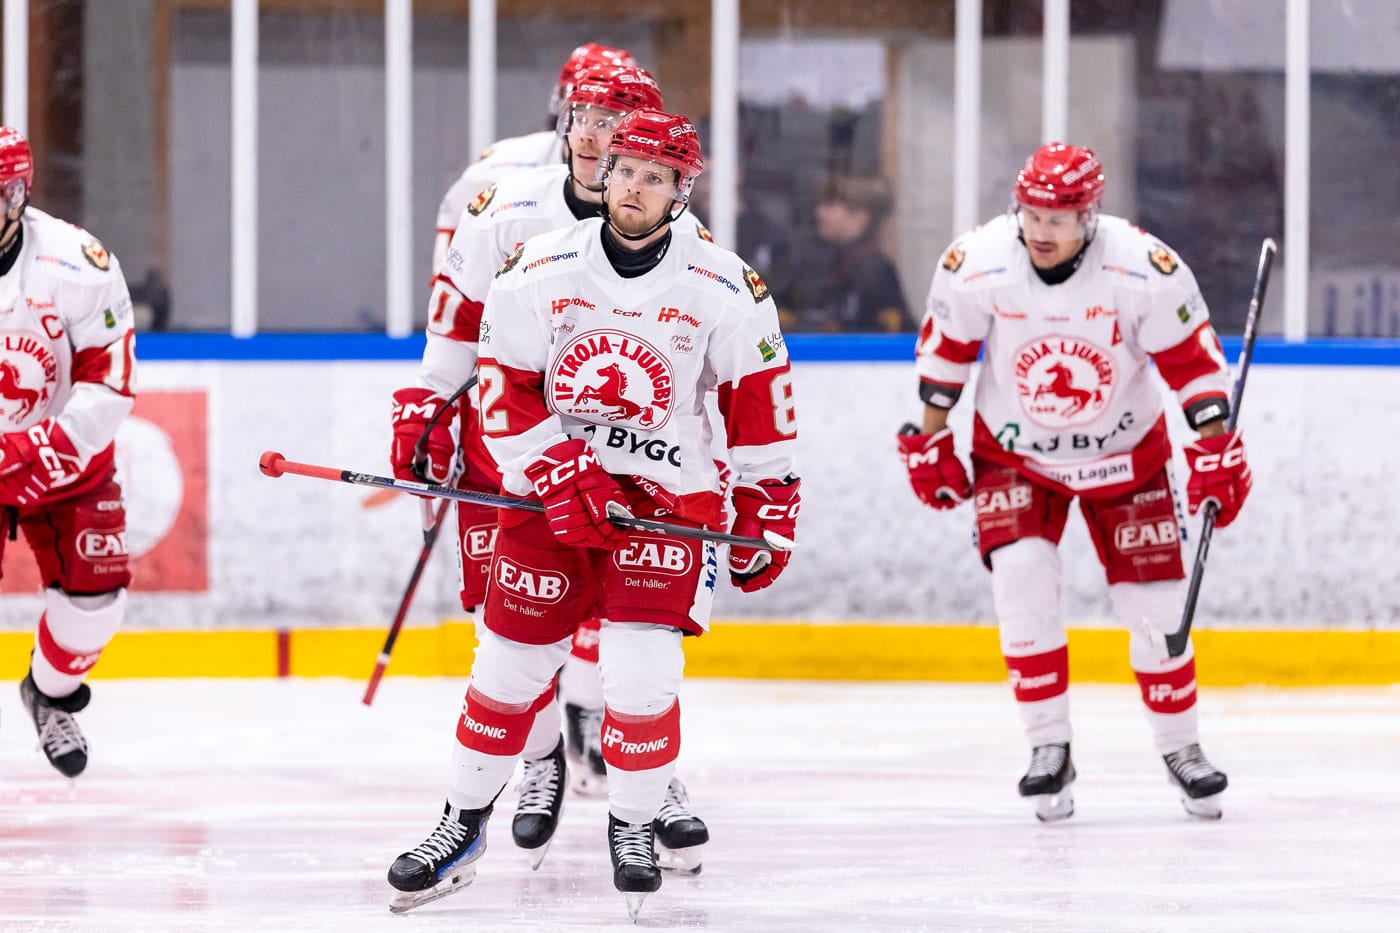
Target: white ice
278,805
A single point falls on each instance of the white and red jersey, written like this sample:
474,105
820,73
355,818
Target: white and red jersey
501,158
499,219
572,349
66,341
1065,393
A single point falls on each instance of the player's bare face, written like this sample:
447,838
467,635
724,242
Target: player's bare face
639,195
1052,237
589,131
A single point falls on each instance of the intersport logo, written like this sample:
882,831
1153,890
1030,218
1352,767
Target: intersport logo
540,586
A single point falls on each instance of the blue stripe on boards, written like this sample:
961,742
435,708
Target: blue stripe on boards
804,348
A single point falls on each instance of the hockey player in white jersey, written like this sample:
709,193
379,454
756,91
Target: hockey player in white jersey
1068,307
531,202
67,365
510,155
598,345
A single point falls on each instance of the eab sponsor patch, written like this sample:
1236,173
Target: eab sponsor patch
756,285
510,262
953,259
95,253
1161,260
480,202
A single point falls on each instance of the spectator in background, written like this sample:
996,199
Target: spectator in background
843,281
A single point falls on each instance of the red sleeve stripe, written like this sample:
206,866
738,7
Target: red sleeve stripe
521,400
751,413
957,351
1189,360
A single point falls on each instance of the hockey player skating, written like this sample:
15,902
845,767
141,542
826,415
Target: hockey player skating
507,156
599,342
1068,307
528,202
67,367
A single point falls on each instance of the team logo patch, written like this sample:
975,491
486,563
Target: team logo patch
510,262
486,153
1183,314
1063,381
481,201
1161,260
756,285
607,376
95,253
704,234
765,350
953,259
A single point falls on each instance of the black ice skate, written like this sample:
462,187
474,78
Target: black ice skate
585,732
1047,781
541,798
59,735
680,834
635,872
1199,781
443,863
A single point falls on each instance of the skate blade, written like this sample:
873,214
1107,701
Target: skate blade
587,784
536,856
404,901
684,861
1051,808
634,904
1203,808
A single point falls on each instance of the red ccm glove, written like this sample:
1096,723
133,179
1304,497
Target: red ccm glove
1219,474
413,410
936,474
576,490
769,505
35,460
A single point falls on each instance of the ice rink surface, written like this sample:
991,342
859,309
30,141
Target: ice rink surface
278,805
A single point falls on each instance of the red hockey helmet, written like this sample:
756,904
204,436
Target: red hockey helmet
664,138
16,168
622,88
582,58
1058,177
586,56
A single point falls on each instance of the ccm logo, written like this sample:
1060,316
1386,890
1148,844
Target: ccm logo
479,541
101,545
1230,459
655,556
1139,535
537,585
774,513
567,470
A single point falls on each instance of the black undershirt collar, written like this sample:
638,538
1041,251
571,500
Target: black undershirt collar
630,263
581,209
1057,274
9,255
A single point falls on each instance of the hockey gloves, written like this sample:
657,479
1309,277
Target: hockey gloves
937,475
413,410
576,490
1219,474
34,460
770,505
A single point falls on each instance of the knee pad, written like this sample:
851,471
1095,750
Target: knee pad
1026,596
1143,608
641,667
512,673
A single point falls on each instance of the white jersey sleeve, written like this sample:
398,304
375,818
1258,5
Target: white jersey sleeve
500,159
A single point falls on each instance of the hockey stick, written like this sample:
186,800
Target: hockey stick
430,536
1176,641
432,524
274,464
